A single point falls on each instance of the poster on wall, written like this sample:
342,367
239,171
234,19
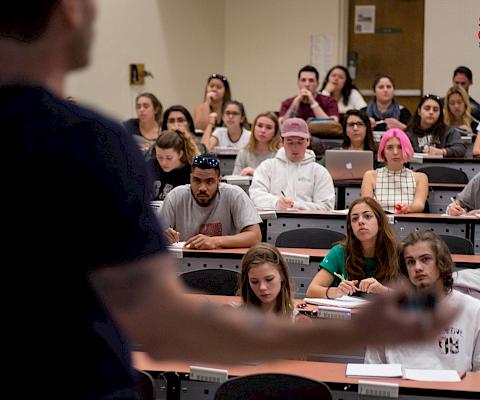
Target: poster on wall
364,19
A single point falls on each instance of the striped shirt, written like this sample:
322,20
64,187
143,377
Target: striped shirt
394,187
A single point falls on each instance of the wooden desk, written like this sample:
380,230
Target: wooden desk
301,271
332,374
439,194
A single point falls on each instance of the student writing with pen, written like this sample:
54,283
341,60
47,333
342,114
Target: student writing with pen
292,178
366,261
468,200
208,214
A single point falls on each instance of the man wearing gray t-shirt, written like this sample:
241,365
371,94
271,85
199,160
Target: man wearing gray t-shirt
208,214
468,200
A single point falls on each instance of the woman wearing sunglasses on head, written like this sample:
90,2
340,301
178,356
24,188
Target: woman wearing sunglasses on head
429,134
217,93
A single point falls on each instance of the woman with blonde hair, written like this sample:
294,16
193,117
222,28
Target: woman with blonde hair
171,166
366,260
265,282
263,144
457,109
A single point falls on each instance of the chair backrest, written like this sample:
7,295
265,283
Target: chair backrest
212,281
272,386
312,238
145,385
458,245
444,175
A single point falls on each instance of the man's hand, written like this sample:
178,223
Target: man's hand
284,202
455,209
172,235
202,242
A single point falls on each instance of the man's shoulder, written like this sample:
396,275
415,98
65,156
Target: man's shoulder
468,303
288,100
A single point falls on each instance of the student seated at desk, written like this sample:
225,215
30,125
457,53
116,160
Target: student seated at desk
426,261
397,188
293,178
468,200
429,134
265,283
357,133
171,165
476,145
208,214
367,259
234,134
263,144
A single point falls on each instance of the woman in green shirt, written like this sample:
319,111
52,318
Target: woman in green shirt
366,260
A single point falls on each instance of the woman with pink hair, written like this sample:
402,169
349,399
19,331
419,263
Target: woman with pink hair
397,188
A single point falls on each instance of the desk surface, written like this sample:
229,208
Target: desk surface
313,253
325,372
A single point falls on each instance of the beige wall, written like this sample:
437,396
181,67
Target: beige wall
179,41
258,44
451,39
268,41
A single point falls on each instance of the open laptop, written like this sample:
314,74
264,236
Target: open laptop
348,164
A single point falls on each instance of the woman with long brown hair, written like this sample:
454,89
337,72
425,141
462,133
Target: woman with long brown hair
171,166
264,281
366,260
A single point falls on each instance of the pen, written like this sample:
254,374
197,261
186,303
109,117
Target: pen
341,277
283,194
453,200
463,374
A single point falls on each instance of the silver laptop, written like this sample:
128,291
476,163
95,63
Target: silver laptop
348,164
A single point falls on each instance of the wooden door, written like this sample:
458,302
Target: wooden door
395,48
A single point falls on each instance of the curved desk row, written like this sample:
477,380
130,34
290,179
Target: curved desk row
173,379
302,267
463,226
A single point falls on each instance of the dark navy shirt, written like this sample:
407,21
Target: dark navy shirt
75,197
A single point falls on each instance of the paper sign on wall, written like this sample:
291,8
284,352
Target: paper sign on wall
364,19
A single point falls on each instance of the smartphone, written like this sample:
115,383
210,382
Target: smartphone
421,301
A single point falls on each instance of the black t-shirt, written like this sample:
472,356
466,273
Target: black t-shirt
164,182
74,198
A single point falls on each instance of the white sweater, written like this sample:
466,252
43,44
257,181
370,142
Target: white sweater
306,182
456,347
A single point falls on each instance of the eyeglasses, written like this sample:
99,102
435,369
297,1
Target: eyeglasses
359,124
431,96
178,120
205,162
232,113
218,76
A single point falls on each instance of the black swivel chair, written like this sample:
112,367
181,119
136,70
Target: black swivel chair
312,238
444,175
145,385
212,281
272,386
458,245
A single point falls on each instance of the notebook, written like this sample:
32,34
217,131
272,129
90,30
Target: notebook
348,164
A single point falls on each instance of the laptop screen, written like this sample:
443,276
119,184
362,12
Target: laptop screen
348,164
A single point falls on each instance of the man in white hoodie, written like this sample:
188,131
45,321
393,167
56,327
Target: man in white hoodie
293,179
